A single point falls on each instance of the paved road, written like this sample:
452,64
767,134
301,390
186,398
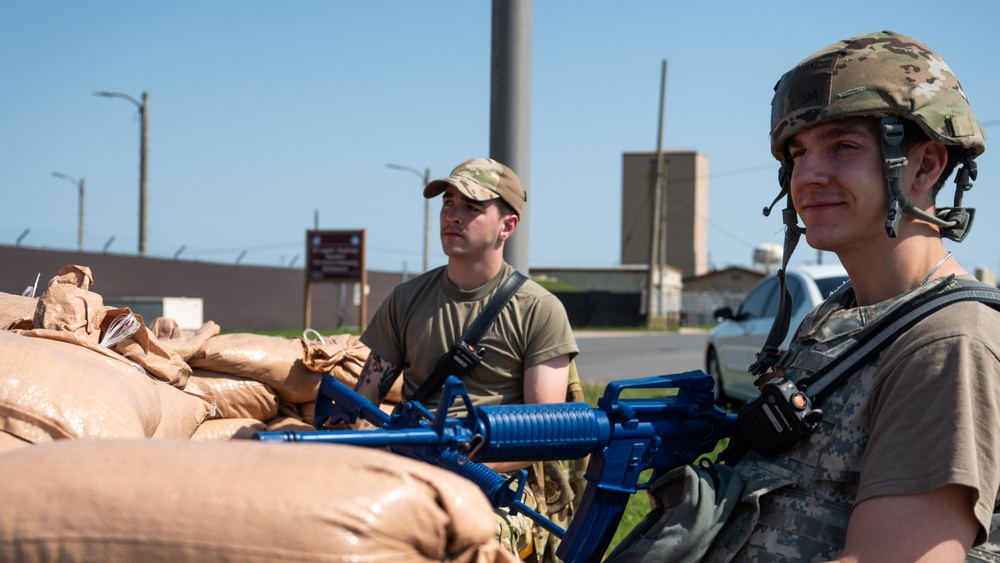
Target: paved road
606,357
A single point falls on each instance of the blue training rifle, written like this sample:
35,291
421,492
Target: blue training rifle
624,436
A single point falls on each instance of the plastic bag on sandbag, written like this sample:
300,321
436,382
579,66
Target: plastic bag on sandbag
271,360
17,311
51,390
185,342
174,500
219,429
234,396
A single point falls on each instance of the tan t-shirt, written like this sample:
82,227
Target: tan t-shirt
935,427
423,317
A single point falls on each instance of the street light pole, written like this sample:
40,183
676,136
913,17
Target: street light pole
143,151
79,185
426,176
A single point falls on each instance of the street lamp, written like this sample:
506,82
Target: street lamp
79,184
426,177
143,137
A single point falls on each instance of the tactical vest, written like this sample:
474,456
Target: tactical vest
796,506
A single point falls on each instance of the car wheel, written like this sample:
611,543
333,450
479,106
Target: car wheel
715,370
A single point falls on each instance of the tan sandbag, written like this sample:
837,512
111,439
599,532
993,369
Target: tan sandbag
282,423
235,397
51,389
343,356
185,342
239,501
67,304
181,412
219,429
11,442
272,360
16,311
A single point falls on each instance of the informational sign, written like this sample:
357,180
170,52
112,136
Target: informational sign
335,255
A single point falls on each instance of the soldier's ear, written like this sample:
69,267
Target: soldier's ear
931,159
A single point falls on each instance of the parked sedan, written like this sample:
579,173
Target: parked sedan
735,342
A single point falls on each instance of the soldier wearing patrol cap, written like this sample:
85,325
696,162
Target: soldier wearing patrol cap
903,464
529,345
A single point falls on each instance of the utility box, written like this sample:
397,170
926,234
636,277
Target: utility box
187,311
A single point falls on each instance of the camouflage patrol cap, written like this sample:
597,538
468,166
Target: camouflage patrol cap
875,75
482,179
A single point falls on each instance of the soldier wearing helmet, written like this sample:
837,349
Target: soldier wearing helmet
904,464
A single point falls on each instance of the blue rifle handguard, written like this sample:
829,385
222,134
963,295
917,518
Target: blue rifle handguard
624,436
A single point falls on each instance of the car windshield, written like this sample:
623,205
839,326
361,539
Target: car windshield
827,286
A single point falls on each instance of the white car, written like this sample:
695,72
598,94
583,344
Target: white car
733,344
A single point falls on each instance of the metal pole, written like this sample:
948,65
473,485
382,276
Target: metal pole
426,179
427,223
143,151
510,108
143,142
79,184
652,295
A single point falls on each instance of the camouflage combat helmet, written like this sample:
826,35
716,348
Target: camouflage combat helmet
891,77
885,76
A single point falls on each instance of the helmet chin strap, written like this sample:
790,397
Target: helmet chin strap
954,222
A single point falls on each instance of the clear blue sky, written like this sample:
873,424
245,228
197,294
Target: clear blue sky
263,113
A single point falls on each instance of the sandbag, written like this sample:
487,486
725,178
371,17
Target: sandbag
185,343
11,442
272,360
67,310
16,311
239,501
234,396
51,390
181,413
217,429
343,356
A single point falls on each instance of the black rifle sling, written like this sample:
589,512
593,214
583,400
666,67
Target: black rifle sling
820,384
482,322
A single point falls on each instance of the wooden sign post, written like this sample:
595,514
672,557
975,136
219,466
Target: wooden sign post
336,256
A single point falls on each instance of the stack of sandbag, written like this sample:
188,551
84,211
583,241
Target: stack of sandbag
239,501
86,390
72,369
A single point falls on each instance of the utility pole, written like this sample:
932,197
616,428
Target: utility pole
653,294
143,107
426,178
79,185
510,108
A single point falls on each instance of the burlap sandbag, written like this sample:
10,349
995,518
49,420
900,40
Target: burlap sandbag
69,311
217,429
181,412
272,360
51,389
282,423
234,396
239,501
343,356
16,311
185,342
11,442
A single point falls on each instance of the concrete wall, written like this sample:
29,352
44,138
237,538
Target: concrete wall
683,210
235,297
